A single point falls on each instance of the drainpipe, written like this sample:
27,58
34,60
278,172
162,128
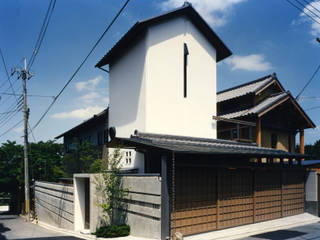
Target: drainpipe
173,192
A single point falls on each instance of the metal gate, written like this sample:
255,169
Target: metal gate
208,199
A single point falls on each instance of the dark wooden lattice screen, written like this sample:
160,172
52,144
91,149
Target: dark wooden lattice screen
208,199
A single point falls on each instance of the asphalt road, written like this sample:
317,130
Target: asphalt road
307,232
14,227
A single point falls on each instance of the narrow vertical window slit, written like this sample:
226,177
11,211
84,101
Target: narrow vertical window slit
185,63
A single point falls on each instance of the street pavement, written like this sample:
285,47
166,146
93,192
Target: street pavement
307,232
14,227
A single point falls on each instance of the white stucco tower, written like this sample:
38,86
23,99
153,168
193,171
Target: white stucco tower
163,76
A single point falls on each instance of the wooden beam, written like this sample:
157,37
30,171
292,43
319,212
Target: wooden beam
301,141
233,121
258,132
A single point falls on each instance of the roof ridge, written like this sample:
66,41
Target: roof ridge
187,138
248,83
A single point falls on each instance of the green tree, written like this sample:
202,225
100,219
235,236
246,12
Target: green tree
83,158
46,161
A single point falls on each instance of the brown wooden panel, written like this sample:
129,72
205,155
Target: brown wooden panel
236,195
293,193
208,199
268,192
195,201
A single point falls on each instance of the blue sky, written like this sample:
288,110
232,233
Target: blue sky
265,36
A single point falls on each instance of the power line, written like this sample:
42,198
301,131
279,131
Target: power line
303,11
313,75
29,95
12,89
308,109
82,63
42,32
11,128
306,7
309,97
310,4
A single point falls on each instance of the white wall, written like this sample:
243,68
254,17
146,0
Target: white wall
79,203
127,91
167,111
130,159
146,84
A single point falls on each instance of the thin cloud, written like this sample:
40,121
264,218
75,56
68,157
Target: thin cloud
81,113
90,97
18,129
253,62
88,85
215,12
303,18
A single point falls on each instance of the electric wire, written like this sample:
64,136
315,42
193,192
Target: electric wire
310,4
297,7
80,66
306,7
305,86
29,95
12,89
313,108
42,32
11,128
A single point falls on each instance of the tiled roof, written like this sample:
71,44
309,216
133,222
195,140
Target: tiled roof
258,108
96,117
244,89
140,27
190,145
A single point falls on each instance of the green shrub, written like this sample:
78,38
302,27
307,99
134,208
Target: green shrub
111,231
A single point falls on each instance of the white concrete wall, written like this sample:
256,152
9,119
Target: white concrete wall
79,203
167,111
130,159
146,84
127,91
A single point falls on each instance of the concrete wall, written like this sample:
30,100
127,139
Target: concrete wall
143,203
54,204
311,193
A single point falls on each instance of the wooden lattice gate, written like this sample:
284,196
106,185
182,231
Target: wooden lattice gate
208,199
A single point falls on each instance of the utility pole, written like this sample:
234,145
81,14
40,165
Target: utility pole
25,75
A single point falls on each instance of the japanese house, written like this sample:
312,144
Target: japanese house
274,112
94,131
163,108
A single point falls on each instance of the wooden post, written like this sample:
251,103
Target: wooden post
218,198
238,131
282,208
301,141
258,131
165,200
254,196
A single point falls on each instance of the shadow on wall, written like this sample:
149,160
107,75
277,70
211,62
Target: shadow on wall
113,205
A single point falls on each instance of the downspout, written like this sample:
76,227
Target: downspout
173,194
